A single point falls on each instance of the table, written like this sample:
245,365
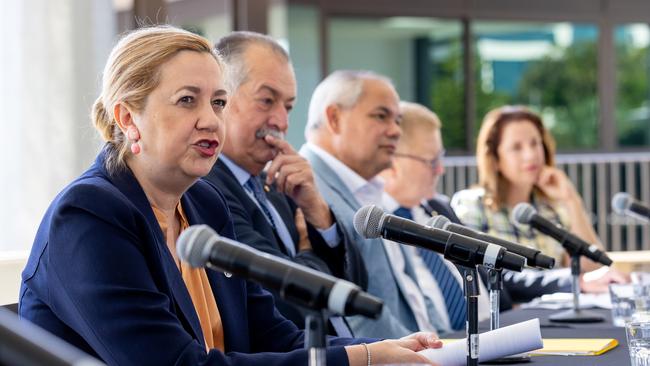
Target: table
632,260
618,356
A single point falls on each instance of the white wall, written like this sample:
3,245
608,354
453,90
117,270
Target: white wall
11,266
52,53
355,45
367,45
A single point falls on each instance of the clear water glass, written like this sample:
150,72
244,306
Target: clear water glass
638,341
641,302
640,278
623,303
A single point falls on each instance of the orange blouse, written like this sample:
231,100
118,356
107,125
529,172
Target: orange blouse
197,284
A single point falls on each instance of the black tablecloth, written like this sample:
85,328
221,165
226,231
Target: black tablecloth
618,356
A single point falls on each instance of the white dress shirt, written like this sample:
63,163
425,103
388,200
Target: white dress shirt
368,192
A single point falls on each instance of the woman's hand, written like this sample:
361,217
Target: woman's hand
559,188
402,350
555,184
598,281
423,340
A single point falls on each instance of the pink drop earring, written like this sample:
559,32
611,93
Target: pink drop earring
134,136
135,148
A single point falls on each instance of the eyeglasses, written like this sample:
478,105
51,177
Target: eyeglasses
432,163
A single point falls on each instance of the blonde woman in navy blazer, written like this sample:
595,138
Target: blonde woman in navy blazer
103,275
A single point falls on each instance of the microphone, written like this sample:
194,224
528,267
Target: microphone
200,246
371,222
624,204
534,257
526,214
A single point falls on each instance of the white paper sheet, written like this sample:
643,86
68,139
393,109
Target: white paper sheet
564,300
513,339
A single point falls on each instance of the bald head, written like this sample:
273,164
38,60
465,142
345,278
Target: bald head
417,121
418,160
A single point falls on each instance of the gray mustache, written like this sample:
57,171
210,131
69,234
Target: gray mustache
264,131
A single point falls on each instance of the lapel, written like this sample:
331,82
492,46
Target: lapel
281,204
127,184
330,178
226,292
221,176
408,265
231,300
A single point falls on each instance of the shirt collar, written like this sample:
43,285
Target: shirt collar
242,175
389,203
353,181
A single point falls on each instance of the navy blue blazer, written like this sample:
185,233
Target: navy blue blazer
101,277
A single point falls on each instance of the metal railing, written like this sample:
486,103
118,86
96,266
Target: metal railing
597,177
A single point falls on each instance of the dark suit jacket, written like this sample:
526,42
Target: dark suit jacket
517,287
252,228
101,277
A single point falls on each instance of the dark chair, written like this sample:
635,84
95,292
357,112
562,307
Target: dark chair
23,343
12,307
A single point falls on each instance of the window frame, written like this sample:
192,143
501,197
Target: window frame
606,15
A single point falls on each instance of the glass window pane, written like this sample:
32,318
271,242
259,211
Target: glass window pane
633,90
211,19
423,57
304,48
551,67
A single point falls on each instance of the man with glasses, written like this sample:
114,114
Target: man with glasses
410,192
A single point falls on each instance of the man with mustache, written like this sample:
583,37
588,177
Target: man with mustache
279,212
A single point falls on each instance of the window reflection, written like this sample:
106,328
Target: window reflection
423,57
550,67
633,88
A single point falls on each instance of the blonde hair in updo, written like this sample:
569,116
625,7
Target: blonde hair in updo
131,73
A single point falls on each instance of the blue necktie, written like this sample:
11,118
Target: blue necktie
449,286
258,192
254,185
